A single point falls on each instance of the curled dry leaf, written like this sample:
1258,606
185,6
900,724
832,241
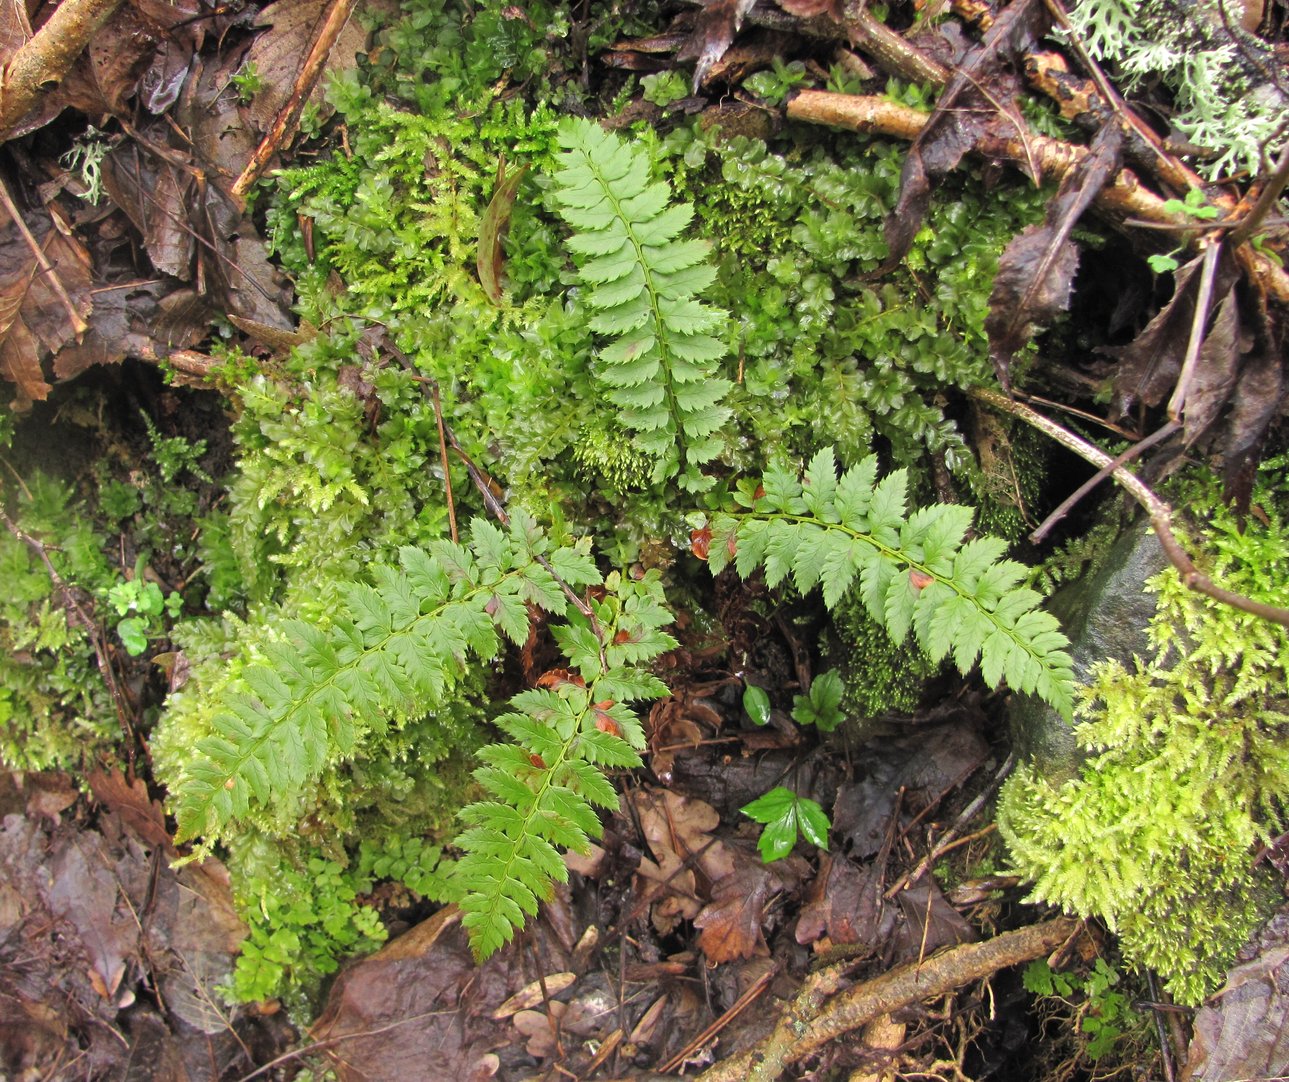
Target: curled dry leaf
35,321
1036,271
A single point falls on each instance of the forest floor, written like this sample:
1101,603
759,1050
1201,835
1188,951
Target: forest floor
904,951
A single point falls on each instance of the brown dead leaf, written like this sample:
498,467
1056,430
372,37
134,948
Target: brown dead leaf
541,1030
845,904
979,98
713,33
732,924
808,9
279,51
1243,1031
131,802
421,1008
1149,366
674,723
1036,271
34,318
145,320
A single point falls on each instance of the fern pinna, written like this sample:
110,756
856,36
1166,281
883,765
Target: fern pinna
914,571
390,651
643,282
544,787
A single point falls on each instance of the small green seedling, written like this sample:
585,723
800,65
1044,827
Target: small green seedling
141,604
821,707
756,704
784,814
1193,206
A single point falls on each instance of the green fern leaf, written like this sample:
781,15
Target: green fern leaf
659,369
914,572
546,785
390,650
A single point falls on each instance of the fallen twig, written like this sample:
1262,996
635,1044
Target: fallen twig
48,56
1124,197
1138,448
740,1005
817,1016
1161,515
947,841
38,253
289,115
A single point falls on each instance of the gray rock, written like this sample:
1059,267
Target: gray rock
1105,614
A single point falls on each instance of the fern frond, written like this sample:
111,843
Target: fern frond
543,789
642,282
914,572
391,650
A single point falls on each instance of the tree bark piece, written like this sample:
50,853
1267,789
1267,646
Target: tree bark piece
813,1019
1123,198
48,56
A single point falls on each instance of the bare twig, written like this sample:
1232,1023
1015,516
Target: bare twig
947,841
1124,197
55,283
740,1005
443,458
1203,302
1161,515
310,71
1266,202
48,56
1138,448
813,1019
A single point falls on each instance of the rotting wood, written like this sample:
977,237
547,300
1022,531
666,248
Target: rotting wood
1123,198
43,61
821,1013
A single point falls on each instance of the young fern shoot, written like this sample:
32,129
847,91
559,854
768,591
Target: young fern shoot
643,282
913,571
544,787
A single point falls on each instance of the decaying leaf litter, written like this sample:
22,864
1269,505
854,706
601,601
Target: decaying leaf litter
710,943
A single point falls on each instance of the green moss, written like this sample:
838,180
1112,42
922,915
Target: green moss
1188,772
880,676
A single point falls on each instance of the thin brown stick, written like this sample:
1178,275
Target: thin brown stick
289,115
1199,319
947,841
1161,515
813,1020
739,1006
1123,197
1138,448
48,56
1266,201
55,283
443,458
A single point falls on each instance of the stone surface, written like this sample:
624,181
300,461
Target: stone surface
1105,614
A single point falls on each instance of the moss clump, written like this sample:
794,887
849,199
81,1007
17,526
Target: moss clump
1188,772
880,676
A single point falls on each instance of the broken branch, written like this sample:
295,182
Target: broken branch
813,1019
310,71
1123,197
48,56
